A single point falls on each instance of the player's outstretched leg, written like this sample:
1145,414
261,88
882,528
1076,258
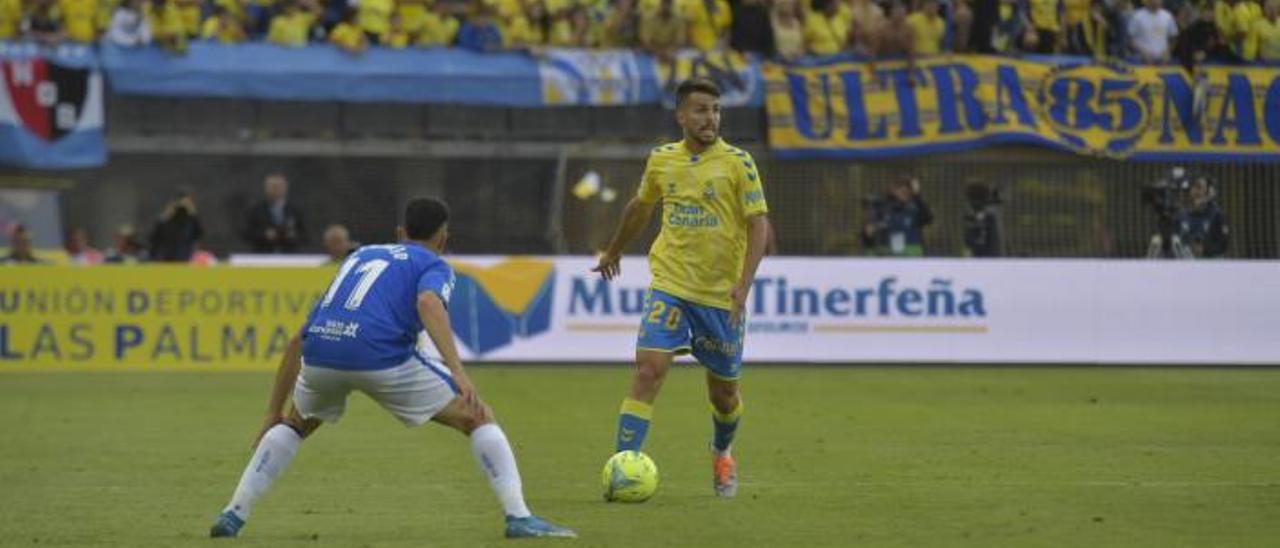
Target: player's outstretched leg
493,453
273,454
726,412
637,407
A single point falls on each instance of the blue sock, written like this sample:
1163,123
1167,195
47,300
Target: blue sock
726,425
633,424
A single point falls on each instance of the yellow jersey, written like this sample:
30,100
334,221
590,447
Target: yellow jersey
437,30
707,25
191,11
1044,14
213,29
656,32
1075,12
927,33
520,32
79,19
291,30
10,19
349,37
561,33
1263,41
706,201
106,8
396,39
825,35
506,9
1246,12
374,16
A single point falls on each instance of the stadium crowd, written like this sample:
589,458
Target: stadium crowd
1227,31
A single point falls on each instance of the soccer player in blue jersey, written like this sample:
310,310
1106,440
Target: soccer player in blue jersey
362,337
714,232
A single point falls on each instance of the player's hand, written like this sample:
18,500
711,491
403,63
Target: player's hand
739,297
466,390
610,267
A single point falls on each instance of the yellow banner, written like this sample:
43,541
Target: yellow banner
152,317
953,103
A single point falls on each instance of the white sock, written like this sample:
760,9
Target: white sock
274,453
493,454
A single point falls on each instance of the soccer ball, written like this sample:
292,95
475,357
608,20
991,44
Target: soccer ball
629,476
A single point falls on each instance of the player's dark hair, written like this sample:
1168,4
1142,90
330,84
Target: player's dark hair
696,85
423,217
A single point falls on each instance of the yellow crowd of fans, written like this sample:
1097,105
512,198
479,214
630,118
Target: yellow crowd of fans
798,27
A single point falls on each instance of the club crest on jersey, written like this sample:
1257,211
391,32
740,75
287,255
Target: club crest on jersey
47,98
709,192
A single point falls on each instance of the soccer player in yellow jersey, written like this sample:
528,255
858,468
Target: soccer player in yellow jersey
703,263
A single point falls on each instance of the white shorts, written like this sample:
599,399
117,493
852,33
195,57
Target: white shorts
413,391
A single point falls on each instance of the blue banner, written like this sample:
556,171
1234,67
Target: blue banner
323,73
50,107
551,77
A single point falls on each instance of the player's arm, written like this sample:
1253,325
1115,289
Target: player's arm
755,209
634,218
757,240
435,318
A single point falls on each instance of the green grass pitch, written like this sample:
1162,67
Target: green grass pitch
829,456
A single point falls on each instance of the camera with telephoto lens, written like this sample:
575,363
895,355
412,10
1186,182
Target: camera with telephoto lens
1165,195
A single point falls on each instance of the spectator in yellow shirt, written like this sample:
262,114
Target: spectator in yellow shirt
927,29
374,18
561,32
1246,12
79,19
1076,26
621,25
663,31
826,30
222,27
396,37
1046,19
439,28
10,19
292,27
167,28
102,16
522,29
1225,19
709,21
191,11
1263,41
349,35
788,29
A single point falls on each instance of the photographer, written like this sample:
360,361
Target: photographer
1202,224
895,220
176,232
983,235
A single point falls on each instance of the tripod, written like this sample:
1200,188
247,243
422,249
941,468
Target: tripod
1168,246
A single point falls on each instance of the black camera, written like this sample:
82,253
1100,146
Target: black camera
981,195
1165,196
